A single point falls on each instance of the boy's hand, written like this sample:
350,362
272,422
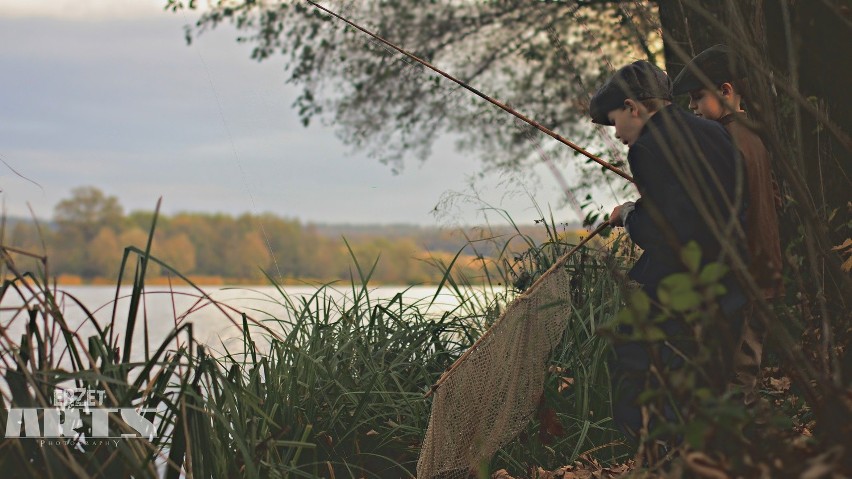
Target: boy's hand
619,213
615,217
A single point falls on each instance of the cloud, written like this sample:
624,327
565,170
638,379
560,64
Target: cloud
83,9
123,104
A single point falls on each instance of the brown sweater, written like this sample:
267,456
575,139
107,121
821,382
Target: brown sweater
761,217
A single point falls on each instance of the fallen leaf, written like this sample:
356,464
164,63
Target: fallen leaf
846,244
704,466
824,465
565,383
501,474
542,474
565,472
329,441
549,425
781,384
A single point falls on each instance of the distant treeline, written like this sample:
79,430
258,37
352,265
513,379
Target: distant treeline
89,231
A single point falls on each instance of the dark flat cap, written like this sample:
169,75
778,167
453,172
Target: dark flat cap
638,81
717,63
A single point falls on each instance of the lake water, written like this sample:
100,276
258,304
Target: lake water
217,321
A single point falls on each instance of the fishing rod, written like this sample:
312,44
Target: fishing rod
478,93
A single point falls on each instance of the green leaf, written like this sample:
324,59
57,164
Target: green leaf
694,434
625,316
651,333
719,290
678,292
677,282
712,273
647,396
703,393
664,296
640,303
685,300
691,256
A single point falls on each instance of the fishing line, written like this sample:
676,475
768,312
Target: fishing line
505,107
478,93
449,93
243,175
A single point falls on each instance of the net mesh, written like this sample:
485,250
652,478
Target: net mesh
490,396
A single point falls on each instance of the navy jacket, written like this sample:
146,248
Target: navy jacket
682,164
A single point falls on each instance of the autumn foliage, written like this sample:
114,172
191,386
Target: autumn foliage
90,230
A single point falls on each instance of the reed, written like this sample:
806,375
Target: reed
334,388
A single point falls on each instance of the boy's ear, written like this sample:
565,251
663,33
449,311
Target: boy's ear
631,106
726,89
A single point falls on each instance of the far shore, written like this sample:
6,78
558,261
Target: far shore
217,281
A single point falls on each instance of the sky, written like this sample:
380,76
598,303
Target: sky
108,94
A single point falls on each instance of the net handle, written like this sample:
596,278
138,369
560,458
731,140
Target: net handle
558,264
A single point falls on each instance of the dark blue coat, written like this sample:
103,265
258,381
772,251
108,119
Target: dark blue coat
682,164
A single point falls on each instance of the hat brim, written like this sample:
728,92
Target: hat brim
686,85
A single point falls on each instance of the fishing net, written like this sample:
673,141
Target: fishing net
491,394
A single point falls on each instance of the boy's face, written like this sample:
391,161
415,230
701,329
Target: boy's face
705,103
628,121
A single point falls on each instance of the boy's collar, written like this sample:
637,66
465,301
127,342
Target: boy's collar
656,118
731,117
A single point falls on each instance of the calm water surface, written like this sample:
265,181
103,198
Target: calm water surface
216,320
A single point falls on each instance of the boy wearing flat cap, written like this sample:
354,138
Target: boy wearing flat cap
687,172
714,80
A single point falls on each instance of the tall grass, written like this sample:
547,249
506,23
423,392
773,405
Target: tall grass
52,354
334,388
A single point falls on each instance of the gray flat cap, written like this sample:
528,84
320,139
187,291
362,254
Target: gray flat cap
639,80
